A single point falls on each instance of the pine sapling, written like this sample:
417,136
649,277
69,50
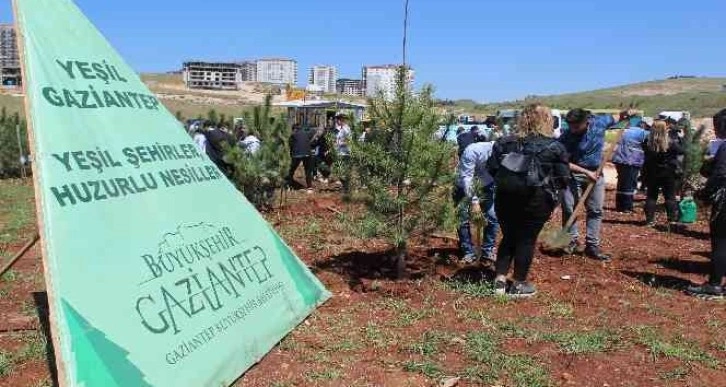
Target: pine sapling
404,172
259,174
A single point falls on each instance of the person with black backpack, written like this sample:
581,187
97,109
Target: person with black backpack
663,169
529,169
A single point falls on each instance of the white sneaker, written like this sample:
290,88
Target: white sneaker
500,288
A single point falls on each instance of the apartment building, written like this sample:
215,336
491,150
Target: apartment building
248,71
9,56
351,87
323,78
382,79
281,71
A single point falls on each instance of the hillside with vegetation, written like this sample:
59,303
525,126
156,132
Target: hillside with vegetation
701,96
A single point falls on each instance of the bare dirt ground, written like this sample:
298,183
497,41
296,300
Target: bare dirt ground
626,323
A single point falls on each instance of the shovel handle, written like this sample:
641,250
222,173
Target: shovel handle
580,205
591,186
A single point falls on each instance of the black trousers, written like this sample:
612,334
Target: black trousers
718,246
322,166
307,163
627,185
521,218
667,184
346,171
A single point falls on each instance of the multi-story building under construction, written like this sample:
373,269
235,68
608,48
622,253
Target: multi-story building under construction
9,56
208,75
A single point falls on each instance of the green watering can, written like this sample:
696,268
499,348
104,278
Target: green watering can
689,210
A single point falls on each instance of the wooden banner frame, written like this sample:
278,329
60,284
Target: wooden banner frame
37,173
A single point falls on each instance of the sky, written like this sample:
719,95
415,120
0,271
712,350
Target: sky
485,50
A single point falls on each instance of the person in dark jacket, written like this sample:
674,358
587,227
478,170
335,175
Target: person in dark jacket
217,141
662,169
716,191
628,159
523,211
301,153
322,158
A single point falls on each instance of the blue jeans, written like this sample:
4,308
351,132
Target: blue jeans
627,185
489,239
593,205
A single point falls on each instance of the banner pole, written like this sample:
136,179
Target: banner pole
36,175
20,152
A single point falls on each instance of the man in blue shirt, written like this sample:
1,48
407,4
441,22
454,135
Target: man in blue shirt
585,142
471,175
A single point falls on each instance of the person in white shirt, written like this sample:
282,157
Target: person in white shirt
342,146
343,136
200,140
249,142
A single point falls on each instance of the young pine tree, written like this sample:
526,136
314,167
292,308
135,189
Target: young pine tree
10,166
404,172
258,175
213,117
693,160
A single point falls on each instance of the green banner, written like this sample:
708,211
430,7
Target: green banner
159,272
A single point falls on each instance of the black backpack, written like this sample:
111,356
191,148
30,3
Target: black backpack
521,170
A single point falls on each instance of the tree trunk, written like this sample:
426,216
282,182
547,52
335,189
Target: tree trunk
401,262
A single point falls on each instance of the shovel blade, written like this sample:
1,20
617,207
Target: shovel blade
556,240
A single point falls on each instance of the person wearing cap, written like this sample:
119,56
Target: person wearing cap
628,158
472,173
585,142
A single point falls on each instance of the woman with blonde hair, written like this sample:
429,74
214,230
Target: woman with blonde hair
662,169
529,169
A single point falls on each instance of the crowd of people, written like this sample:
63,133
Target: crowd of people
310,148
515,183
512,183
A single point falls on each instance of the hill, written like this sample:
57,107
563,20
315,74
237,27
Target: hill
170,90
701,96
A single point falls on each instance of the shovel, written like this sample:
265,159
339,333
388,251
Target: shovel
559,240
